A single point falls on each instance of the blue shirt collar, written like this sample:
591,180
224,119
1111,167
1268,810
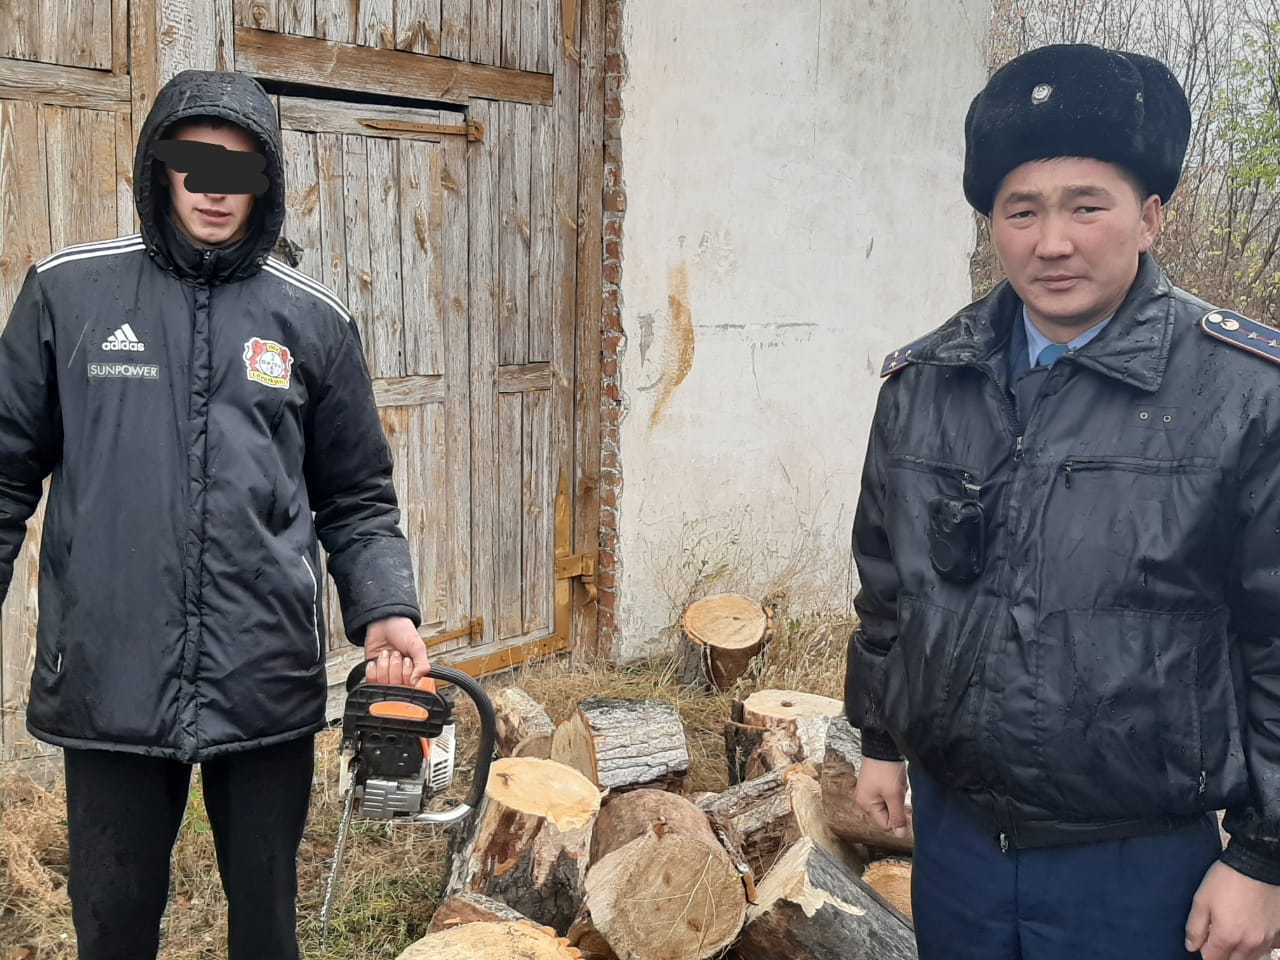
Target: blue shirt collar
1037,341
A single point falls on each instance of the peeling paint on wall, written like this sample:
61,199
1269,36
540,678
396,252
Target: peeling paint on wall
677,359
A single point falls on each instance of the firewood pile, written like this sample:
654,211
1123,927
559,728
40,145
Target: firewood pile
587,844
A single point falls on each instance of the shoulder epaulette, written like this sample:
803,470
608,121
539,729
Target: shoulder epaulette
1239,331
898,359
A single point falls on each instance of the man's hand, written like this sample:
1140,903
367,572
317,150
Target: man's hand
882,792
1233,917
398,653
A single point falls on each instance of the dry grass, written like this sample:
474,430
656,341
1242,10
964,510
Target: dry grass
392,875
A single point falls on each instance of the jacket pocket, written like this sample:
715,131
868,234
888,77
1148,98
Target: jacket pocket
917,683
1116,719
315,600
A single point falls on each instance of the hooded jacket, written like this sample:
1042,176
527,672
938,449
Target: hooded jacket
196,408
1114,668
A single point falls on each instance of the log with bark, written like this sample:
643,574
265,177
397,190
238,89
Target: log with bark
799,719
891,878
492,941
531,839
839,778
723,634
661,886
812,907
624,744
765,816
472,908
523,728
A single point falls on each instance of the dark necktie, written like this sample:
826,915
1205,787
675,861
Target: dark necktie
1050,354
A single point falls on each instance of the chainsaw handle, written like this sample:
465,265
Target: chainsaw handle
488,734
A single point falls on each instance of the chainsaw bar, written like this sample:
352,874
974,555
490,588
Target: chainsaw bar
331,886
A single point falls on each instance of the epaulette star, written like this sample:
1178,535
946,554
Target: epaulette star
1239,331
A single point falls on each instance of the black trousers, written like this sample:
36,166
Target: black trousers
123,814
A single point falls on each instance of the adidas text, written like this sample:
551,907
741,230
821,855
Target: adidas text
124,339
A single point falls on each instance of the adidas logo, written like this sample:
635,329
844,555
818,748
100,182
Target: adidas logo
124,339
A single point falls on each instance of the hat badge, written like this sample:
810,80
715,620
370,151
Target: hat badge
1041,92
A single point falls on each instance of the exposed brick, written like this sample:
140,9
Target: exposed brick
613,129
609,366
615,200
612,392
613,272
613,250
611,300
613,228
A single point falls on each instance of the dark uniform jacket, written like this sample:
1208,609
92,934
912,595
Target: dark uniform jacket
1114,669
195,408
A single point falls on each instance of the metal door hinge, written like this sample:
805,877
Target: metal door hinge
579,566
473,130
474,629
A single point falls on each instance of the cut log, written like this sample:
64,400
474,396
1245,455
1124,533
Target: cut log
472,908
523,728
778,748
661,886
530,844
492,941
765,816
724,633
839,777
624,744
802,717
812,907
891,878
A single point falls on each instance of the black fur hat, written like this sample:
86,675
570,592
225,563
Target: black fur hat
1076,100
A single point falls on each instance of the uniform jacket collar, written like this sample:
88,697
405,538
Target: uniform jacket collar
1134,348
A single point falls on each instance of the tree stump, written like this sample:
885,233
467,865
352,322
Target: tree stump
472,908
624,744
810,906
724,633
523,728
492,941
839,777
530,844
661,886
801,719
765,816
891,878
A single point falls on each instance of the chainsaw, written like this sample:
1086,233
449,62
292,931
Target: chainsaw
397,753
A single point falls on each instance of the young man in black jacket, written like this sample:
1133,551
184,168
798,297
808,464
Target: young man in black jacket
1068,539
196,403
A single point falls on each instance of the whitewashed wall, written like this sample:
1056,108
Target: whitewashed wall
794,212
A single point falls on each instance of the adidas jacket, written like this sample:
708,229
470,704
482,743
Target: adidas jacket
195,408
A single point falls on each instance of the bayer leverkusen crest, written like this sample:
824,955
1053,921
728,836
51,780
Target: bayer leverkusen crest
268,362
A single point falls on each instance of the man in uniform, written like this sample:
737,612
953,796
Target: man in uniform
1068,539
209,423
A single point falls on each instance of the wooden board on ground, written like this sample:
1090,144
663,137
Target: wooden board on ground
530,841
724,633
624,744
841,765
492,941
810,906
657,865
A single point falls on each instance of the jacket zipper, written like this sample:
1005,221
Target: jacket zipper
1132,466
925,465
315,591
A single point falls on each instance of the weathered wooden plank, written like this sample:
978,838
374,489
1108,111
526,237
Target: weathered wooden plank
302,200
538,548
515,141
276,56
486,32
482,186
455,29
427,509
407,391
356,217
298,17
120,36
564,269
541,234
63,86
81,150
395,424
375,24
335,116
333,234
24,226
126,213
259,14
418,26
335,20
586,486
224,27
417,242
20,36
510,507
511,16
523,377
548,27
387,320
143,80
531,27
454,260
18,648
66,28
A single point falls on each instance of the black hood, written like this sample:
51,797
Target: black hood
240,99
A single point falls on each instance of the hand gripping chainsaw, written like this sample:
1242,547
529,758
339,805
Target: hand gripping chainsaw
397,753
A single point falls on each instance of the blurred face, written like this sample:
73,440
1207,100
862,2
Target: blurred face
211,219
1068,233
